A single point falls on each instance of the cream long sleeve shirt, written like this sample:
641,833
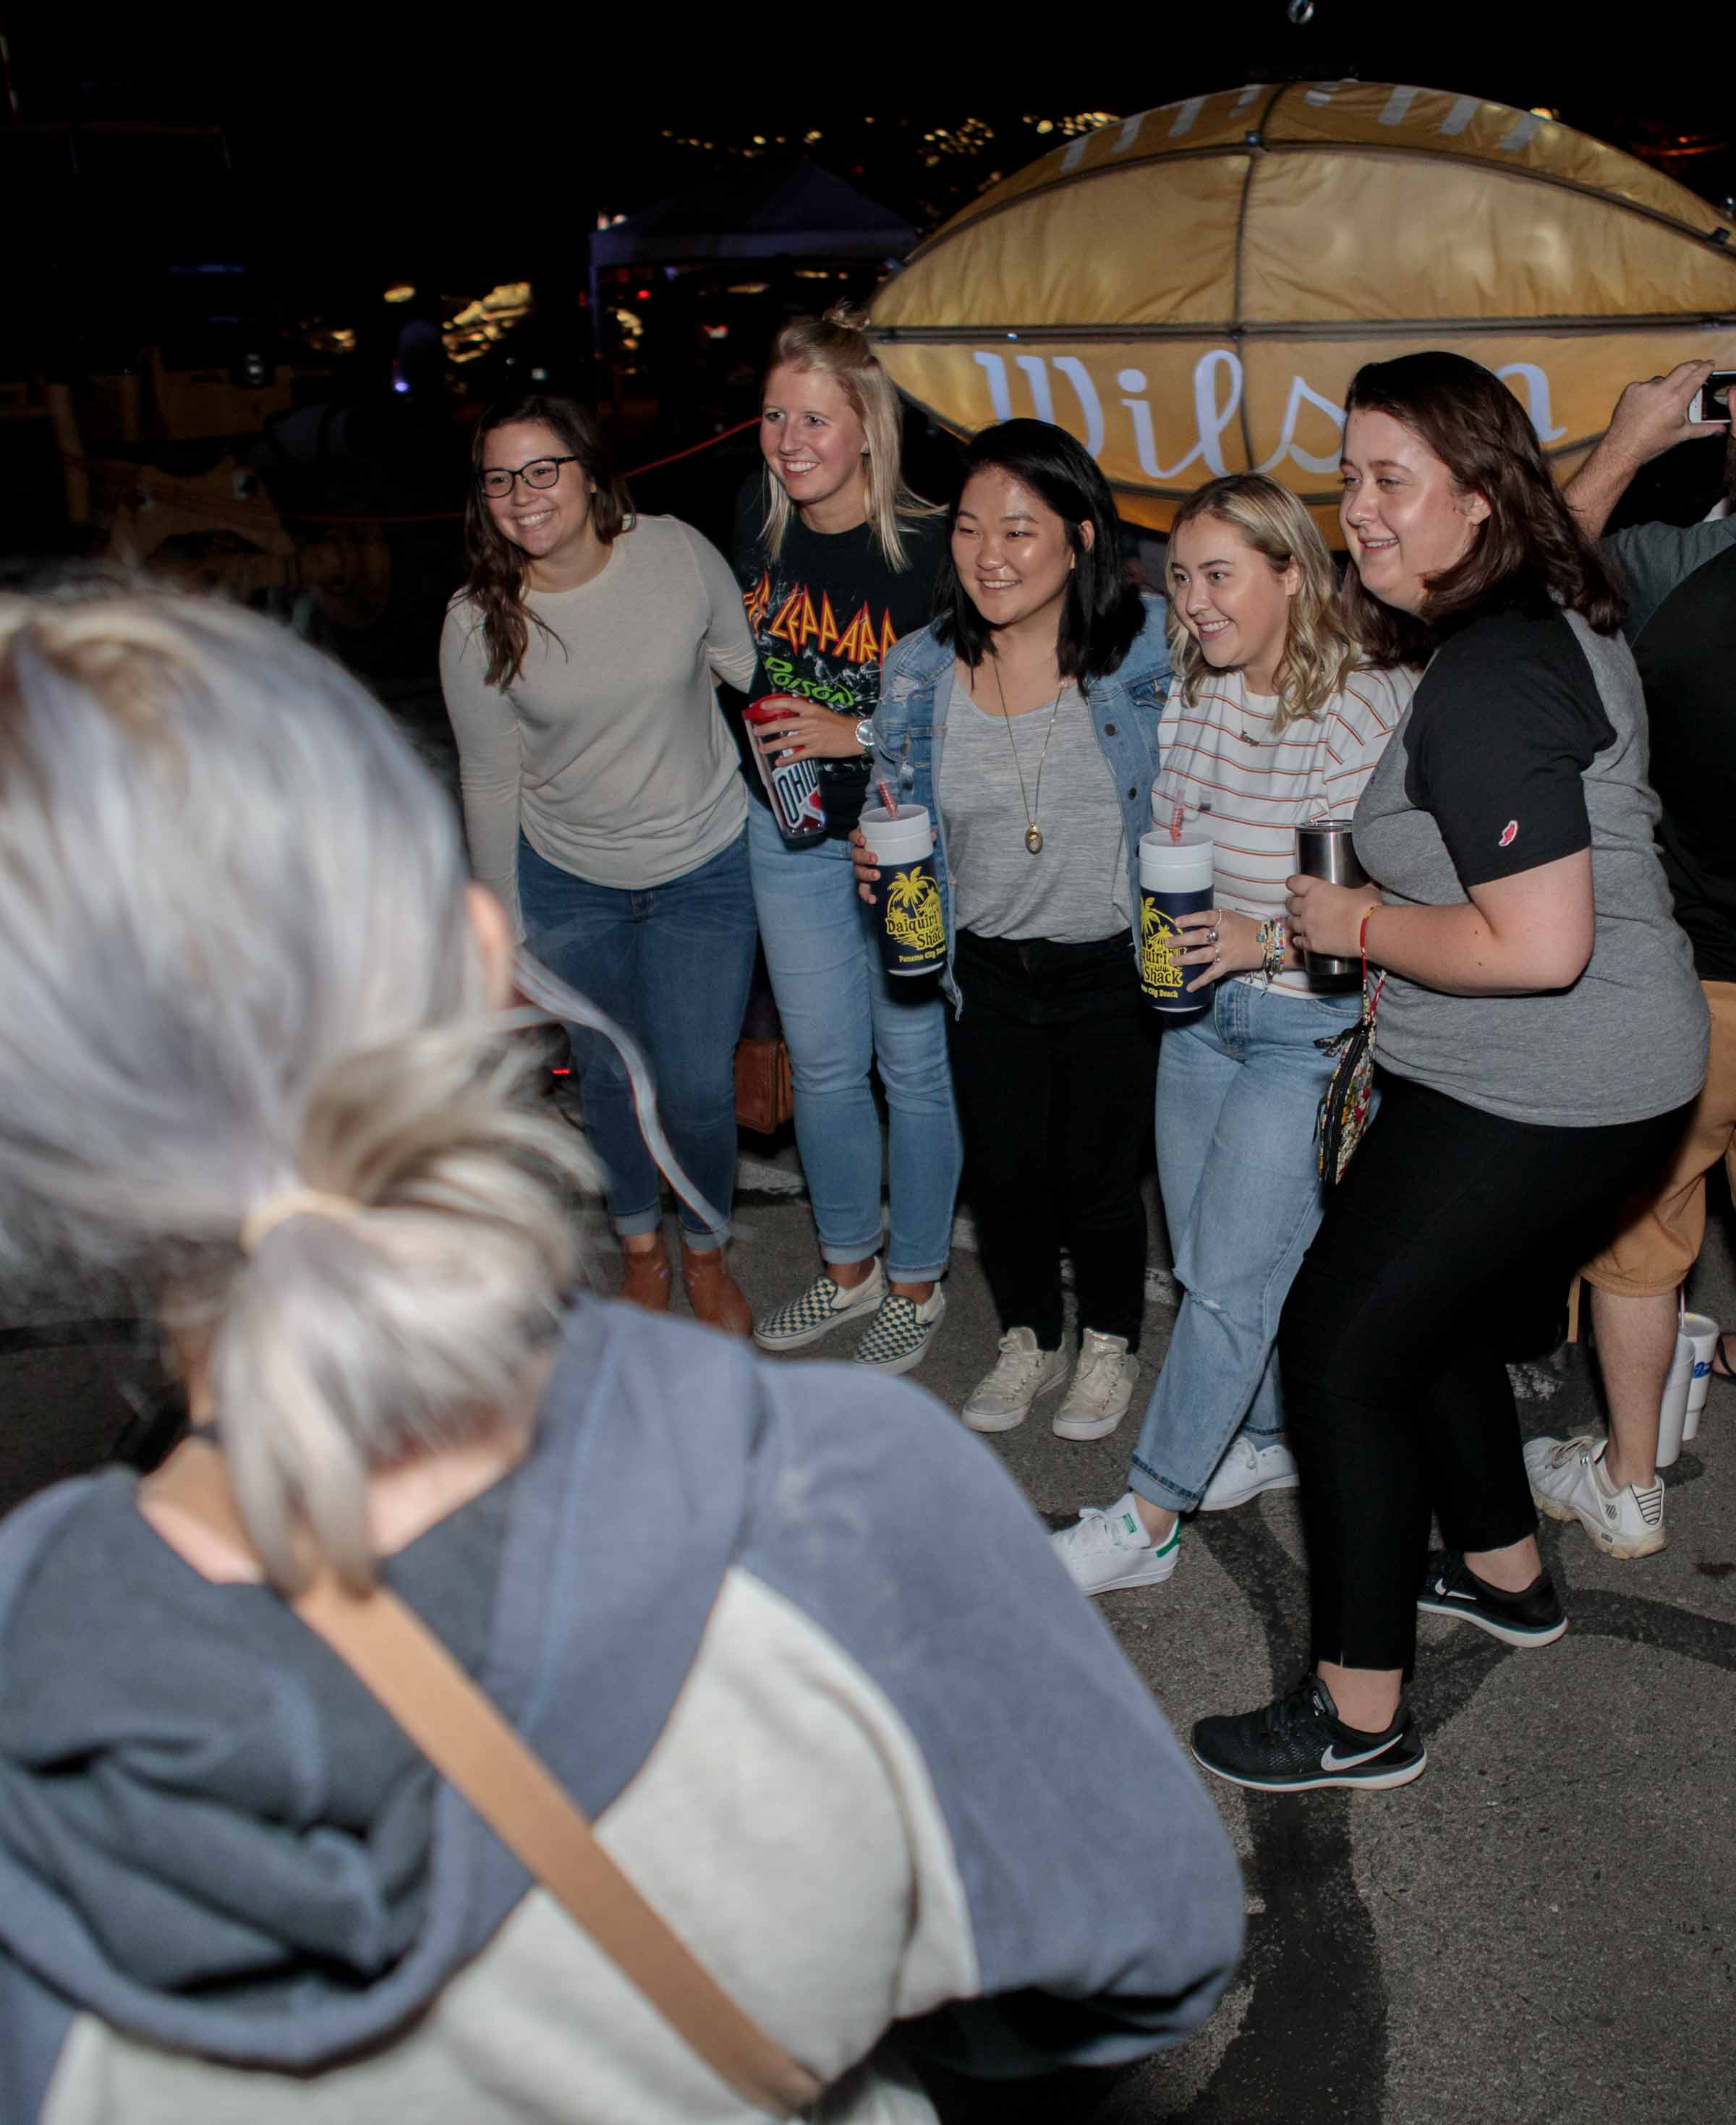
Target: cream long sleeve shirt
608,749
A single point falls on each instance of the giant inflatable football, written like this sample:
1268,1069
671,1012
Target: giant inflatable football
1189,290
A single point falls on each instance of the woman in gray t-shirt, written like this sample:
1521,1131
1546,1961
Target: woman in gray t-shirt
1540,1036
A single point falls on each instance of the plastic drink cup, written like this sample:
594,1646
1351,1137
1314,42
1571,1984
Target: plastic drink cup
1701,1333
1324,850
1673,1412
912,922
793,785
1175,878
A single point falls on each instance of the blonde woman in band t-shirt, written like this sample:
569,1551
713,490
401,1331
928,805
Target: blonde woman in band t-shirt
1274,719
603,801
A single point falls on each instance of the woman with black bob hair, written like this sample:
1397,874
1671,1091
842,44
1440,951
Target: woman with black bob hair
1026,719
1540,1036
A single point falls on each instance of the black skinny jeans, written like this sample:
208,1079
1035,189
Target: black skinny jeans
1397,1401
1055,1066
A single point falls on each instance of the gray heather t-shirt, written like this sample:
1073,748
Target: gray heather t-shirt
608,749
1526,741
1076,890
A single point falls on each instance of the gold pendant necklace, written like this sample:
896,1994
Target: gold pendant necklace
1034,804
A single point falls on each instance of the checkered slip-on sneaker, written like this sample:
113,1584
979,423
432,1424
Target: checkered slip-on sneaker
823,1307
901,1332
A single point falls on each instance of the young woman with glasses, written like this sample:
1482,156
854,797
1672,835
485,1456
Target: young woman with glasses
1540,1037
1026,719
838,561
604,803
1274,717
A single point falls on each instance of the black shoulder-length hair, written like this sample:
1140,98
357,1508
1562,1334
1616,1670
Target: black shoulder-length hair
1529,551
1102,615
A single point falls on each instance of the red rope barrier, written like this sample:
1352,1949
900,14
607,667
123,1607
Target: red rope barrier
115,471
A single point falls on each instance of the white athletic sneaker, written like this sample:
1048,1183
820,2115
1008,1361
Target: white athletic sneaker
1103,1386
1569,1484
1245,1470
1109,1548
819,1309
1002,1397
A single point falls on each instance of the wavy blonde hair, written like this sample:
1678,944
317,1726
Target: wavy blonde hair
837,346
237,958
1320,652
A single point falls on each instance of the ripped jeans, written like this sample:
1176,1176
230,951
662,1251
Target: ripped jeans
1237,1093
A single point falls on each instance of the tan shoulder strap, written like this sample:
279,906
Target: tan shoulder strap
461,1734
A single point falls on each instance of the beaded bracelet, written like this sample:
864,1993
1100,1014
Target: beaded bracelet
1269,936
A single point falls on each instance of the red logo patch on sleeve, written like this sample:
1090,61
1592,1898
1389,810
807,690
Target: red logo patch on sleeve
1509,834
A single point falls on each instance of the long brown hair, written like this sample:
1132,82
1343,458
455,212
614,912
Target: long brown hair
1319,651
495,583
1528,551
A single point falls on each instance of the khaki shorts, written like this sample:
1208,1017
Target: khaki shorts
1660,1242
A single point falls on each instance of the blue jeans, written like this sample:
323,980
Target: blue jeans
672,963
1237,1094
842,1013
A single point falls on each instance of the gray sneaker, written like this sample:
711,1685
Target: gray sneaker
1103,1386
823,1307
1569,1484
1024,1370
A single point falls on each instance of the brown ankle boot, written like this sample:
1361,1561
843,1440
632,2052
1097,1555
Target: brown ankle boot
645,1279
714,1294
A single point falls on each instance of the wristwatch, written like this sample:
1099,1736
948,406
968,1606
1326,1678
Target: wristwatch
864,733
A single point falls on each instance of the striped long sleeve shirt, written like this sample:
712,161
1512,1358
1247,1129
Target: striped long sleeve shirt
1226,774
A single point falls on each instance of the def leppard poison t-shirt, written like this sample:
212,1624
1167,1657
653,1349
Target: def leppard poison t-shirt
823,611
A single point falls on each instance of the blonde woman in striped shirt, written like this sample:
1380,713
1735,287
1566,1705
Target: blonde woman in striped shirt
1274,717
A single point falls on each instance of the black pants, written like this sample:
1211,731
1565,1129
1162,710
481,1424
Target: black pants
1054,1065
1397,1401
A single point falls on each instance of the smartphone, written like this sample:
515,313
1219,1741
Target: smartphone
1711,401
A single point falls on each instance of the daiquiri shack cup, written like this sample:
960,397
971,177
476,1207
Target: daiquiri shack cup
1175,879
912,925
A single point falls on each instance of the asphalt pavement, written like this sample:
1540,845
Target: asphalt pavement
1541,1928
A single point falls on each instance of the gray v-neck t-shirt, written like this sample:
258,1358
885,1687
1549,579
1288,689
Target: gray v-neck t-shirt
1075,891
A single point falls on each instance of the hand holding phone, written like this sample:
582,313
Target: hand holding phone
1711,401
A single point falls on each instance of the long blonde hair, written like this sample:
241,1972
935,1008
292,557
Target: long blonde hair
1320,653
836,346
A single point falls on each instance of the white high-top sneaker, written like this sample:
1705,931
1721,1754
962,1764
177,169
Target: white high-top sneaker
1103,1386
1024,1370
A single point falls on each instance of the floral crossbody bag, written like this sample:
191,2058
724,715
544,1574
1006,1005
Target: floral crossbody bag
1343,1111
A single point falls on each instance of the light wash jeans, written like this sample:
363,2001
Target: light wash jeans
841,1014
1237,1094
672,963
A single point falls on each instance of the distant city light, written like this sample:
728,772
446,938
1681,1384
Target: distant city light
402,292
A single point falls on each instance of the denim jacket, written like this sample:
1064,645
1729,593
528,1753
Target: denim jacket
1125,712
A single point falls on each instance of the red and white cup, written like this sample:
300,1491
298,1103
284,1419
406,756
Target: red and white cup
793,785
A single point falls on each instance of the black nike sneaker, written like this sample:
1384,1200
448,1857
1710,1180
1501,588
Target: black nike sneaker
1299,1742
1450,1588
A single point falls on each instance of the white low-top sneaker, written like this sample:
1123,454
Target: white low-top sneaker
1024,1370
1245,1470
1108,1549
1103,1386
1569,1484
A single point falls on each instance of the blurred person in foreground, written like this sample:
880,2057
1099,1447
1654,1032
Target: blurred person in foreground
1680,586
603,800
254,1070
1540,1041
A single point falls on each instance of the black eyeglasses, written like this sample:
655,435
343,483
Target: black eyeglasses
497,483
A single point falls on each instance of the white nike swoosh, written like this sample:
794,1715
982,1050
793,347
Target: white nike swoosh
1332,1761
1453,1592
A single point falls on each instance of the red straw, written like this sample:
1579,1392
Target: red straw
1174,825
892,809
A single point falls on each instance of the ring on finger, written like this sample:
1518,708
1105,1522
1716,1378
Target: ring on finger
1211,937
